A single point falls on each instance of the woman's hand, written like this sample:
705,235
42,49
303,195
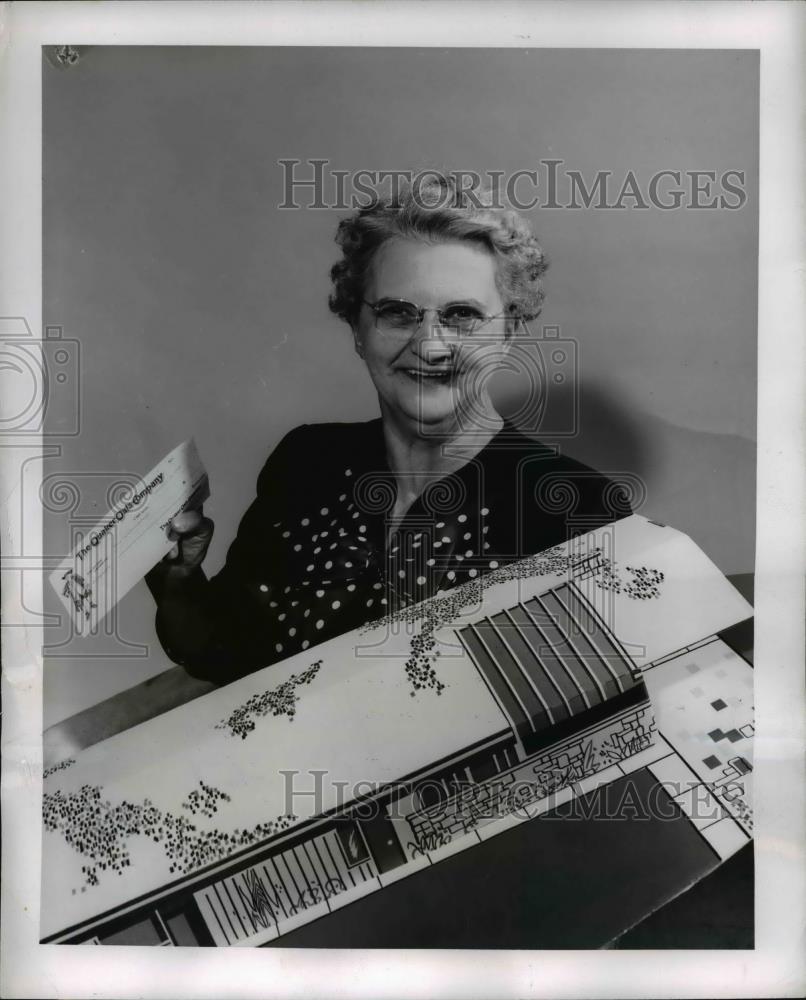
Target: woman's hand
192,533
185,620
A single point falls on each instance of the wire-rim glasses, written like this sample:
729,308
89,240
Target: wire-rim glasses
399,317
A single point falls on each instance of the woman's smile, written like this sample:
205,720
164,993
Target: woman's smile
430,377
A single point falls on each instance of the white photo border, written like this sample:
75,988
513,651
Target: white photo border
776,966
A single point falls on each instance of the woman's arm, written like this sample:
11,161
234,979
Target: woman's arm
216,629
186,620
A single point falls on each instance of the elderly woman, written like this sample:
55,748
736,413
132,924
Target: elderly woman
354,520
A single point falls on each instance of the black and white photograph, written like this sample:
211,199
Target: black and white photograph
389,495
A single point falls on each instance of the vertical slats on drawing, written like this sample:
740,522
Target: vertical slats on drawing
606,684
586,681
525,692
548,660
503,691
599,635
264,896
557,705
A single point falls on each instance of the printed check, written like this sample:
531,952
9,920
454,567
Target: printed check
122,547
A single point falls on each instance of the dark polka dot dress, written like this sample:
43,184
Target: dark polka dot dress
317,553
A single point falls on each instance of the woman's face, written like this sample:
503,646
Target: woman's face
429,380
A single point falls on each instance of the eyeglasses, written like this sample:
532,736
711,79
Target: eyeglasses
398,317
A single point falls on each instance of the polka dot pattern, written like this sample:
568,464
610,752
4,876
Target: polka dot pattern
336,554
322,556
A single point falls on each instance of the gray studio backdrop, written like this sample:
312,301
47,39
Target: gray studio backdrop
200,307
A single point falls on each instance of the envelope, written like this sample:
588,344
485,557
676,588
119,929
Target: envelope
118,551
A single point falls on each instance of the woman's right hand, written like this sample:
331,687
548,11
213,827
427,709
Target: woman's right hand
185,622
192,532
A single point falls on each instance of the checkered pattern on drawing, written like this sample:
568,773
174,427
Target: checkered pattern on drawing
714,728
